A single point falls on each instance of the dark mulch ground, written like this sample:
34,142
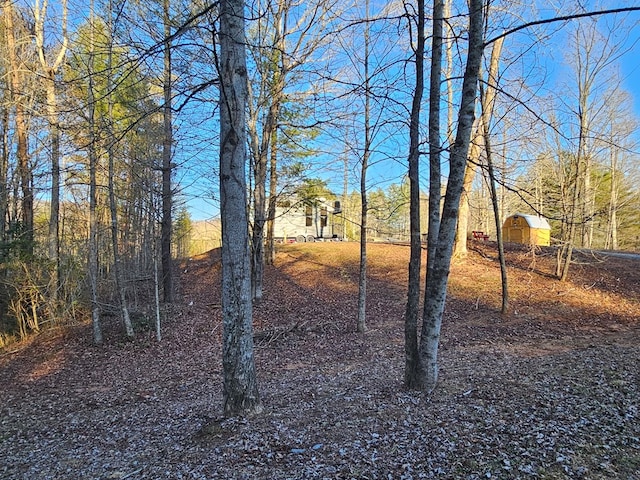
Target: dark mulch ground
550,391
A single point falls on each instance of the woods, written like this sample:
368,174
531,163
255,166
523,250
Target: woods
113,114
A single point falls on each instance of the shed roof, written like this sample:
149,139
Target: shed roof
534,221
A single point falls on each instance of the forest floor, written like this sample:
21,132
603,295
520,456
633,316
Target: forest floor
549,391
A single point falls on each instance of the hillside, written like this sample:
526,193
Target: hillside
551,391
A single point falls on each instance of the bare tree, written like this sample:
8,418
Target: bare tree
487,102
423,374
594,55
4,173
496,209
364,165
271,92
435,142
111,145
93,184
19,96
475,150
50,71
621,128
167,144
413,369
282,43
240,393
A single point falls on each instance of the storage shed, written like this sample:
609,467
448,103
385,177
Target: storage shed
529,229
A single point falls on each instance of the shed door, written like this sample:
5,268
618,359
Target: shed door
516,235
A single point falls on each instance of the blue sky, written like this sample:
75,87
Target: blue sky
392,171
630,66
198,178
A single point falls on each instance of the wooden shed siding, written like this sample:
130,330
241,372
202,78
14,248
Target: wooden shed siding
516,229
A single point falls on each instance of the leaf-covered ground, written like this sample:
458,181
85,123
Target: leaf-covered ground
550,391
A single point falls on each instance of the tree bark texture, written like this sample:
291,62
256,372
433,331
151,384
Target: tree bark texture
4,174
54,218
435,142
240,391
364,212
167,144
93,189
460,244
412,370
270,247
436,289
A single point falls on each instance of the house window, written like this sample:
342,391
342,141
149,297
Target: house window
308,212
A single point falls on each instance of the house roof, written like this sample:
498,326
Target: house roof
534,221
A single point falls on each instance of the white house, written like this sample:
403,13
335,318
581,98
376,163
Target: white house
301,221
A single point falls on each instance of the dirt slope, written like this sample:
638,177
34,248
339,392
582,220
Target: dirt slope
551,390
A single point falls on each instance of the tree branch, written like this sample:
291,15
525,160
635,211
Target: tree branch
563,18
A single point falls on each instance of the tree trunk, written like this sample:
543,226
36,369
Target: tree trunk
362,278
448,48
258,171
167,143
270,248
261,159
436,291
496,210
93,189
156,291
487,103
22,153
54,219
4,171
260,168
259,220
460,243
612,224
117,271
575,207
413,369
49,77
566,252
435,145
240,393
